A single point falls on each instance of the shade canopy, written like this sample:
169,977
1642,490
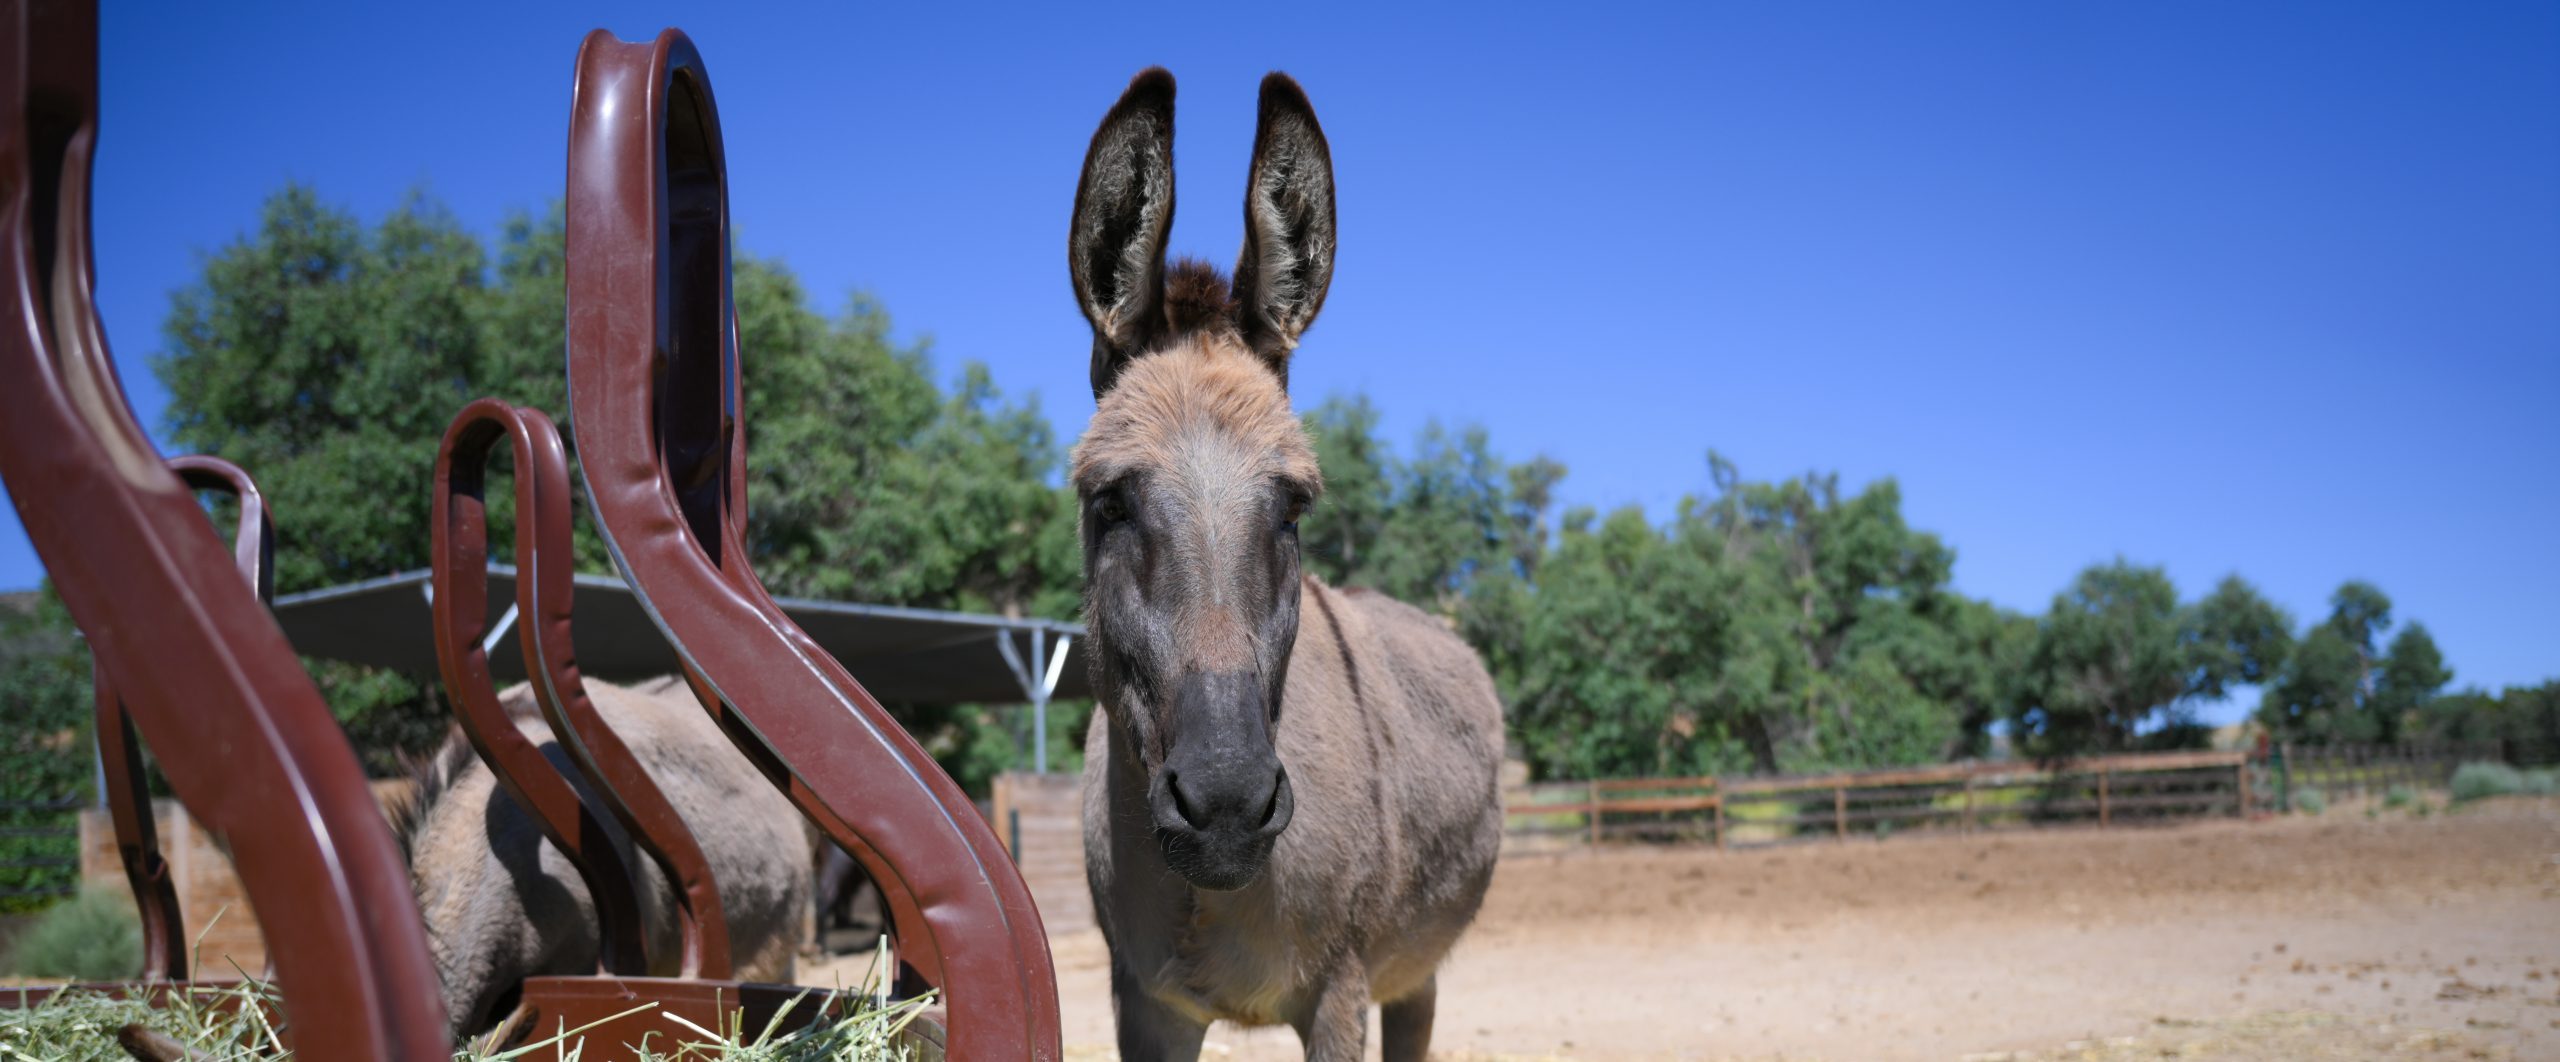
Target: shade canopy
911,655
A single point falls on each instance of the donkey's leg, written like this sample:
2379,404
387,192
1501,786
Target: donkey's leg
1404,1026
1336,1027
1149,1030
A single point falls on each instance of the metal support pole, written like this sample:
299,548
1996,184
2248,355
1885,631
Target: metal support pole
1039,707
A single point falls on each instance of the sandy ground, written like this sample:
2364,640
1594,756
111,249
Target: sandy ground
2340,937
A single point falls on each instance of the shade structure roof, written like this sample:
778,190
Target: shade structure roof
911,655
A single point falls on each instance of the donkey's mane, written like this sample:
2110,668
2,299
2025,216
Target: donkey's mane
1197,299
430,777
1205,374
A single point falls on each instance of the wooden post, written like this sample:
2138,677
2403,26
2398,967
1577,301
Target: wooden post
2102,796
1968,802
1591,811
1718,786
1001,802
1840,811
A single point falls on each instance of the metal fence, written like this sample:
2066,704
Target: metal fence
2339,772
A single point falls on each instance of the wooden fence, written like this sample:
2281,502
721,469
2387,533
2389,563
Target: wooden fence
1957,797
1040,817
1966,797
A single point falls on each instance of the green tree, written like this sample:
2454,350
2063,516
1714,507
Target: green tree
1961,657
325,360
1845,650
2320,695
2330,690
1528,505
2234,637
1449,523
2117,663
2413,672
1619,654
1770,626
2108,659
1338,538
2525,719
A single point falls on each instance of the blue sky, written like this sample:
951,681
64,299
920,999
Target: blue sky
2272,289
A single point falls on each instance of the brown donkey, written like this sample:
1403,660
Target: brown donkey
1283,822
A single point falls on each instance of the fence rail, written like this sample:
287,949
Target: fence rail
1965,797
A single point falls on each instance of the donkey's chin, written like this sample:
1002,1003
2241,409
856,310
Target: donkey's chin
1216,864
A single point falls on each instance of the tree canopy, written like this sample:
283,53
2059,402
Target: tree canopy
2343,685
2119,663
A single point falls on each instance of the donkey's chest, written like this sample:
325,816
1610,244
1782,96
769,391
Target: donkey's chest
1237,962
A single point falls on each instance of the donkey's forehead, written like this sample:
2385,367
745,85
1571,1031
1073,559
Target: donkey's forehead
1205,391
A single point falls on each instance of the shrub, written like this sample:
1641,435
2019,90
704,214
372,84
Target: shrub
2543,781
2310,801
2473,781
2399,796
93,937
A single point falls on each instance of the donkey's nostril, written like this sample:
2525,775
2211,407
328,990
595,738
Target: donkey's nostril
1235,799
1182,803
1275,813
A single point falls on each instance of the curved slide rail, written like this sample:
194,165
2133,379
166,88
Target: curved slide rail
617,783
653,367
202,669
459,576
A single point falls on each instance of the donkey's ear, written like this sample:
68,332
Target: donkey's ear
1124,211
1288,225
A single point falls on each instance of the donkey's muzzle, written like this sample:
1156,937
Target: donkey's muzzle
1222,796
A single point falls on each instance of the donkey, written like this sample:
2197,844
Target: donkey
1283,823
501,904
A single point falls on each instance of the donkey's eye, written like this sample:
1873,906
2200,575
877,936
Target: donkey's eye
1111,508
1297,511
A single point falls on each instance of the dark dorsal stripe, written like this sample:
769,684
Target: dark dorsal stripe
1359,700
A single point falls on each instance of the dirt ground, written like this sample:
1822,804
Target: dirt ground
2337,937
